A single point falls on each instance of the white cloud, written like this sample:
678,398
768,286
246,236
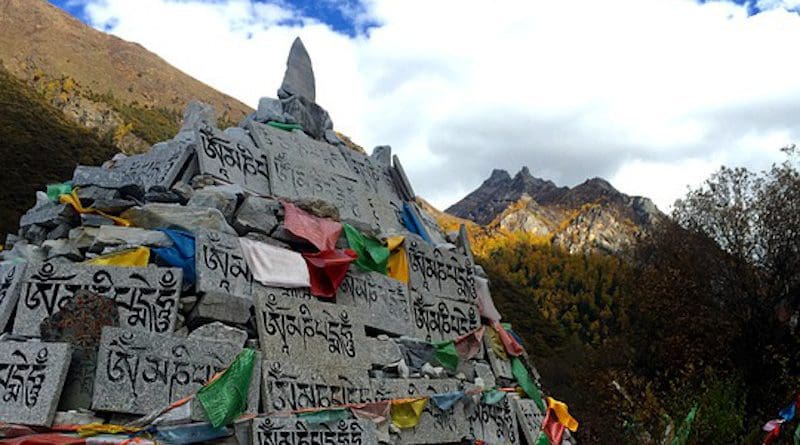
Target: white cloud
652,94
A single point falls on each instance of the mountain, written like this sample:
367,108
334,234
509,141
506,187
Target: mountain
86,92
592,215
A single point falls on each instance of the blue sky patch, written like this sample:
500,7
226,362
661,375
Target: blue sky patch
348,17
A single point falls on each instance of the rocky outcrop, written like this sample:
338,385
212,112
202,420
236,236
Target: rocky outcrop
592,216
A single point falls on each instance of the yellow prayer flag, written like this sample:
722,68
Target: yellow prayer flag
73,200
138,257
93,429
406,412
498,347
562,413
397,267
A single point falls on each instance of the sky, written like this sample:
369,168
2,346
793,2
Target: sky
653,95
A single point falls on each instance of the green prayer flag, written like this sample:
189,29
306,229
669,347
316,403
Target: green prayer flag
372,254
682,435
56,190
225,398
287,127
446,354
525,382
493,396
543,439
325,416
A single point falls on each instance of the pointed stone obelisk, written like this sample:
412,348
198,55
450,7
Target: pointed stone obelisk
299,77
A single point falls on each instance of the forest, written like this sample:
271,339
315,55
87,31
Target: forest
700,316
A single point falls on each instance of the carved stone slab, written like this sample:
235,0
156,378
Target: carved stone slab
383,300
223,277
146,297
160,166
529,417
288,387
291,430
139,371
31,377
500,366
232,161
435,425
441,272
438,319
495,424
10,278
299,332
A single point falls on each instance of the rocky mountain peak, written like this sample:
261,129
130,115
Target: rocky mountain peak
498,175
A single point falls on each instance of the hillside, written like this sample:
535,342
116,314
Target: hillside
39,145
87,93
590,216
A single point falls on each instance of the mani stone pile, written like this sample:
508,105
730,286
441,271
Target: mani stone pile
99,343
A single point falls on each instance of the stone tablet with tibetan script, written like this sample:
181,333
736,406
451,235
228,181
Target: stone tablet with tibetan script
438,319
288,387
231,161
138,371
383,300
440,272
297,331
31,378
495,424
146,297
529,417
10,278
435,425
223,278
160,166
292,430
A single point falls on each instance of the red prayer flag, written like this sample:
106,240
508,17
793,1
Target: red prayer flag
552,427
322,233
512,347
327,270
773,435
468,345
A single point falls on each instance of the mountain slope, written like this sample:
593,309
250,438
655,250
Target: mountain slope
39,145
590,216
71,93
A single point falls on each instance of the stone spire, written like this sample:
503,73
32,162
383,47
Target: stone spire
299,77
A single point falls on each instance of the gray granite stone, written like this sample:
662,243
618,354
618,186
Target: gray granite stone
438,319
224,278
197,113
292,430
529,418
314,120
128,236
232,162
299,76
401,180
257,214
384,301
298,331
33,375
382,154
484,372
11,273
440,272
146,298
220,332
140,371
92,220
287,386
269,109
222,198
63,248
495,424
435,425
49,215
162,166
158,215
